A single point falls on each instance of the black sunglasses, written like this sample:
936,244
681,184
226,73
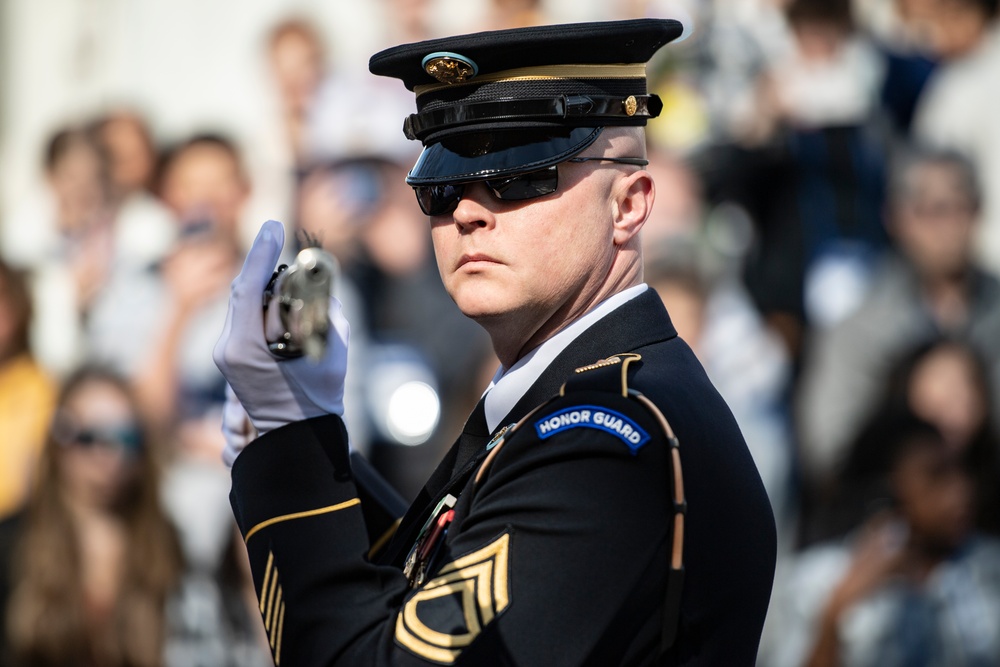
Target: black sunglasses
126,437
442,199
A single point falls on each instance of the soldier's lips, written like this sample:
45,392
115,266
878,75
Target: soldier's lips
476,259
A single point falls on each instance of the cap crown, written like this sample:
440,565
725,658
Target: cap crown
510,101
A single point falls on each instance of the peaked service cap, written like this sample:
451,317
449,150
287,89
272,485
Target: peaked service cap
505,102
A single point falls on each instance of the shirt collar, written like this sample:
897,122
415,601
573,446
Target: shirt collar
509,385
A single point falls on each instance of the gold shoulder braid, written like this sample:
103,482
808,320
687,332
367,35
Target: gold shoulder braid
604,375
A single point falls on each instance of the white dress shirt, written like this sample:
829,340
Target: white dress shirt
509,385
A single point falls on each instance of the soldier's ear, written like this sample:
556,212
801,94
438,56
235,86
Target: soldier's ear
631,205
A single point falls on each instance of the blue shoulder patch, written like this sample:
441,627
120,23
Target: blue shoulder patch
592,416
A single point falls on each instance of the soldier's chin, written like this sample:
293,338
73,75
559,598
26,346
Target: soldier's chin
482,312
488,313
476,296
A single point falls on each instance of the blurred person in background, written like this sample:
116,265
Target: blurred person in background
504,14
810,174
296,63
128,141
203,180
86,232
945,383
956,109
732,48
830,77
334,203
354,115
75,206
931,286
93,572
406,20
297,60
279,149
27,394
145,229
949,385
88,567
915,584
65,237
898,29
156,325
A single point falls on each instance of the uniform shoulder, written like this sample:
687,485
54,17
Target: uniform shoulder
599,397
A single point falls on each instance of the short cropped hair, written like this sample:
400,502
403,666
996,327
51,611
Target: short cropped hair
831,12
902,187
295,26
215,140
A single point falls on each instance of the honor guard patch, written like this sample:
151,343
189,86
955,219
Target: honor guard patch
448,613
592,416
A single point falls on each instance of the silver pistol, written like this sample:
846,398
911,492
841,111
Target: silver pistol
297,304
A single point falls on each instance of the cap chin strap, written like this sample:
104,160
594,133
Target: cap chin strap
604,110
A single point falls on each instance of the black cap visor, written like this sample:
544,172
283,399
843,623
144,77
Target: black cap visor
498,153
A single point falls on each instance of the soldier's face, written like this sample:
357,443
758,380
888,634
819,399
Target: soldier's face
523,262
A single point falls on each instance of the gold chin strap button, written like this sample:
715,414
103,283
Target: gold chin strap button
631,105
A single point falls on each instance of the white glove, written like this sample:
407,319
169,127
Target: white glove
275,391
237,428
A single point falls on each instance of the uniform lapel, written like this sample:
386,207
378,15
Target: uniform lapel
639,322
469,448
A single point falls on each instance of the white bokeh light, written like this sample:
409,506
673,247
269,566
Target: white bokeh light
413,413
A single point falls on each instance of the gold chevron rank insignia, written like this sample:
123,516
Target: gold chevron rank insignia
448,612
272,608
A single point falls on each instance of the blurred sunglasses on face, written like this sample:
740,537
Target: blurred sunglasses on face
442,199
125,436
942,209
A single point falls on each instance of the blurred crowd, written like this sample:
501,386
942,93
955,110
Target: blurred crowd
826,237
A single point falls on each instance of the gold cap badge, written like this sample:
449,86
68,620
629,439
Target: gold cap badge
449,67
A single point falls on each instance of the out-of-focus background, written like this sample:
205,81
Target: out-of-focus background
826,237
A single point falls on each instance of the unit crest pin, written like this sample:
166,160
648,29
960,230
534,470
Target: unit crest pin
449,67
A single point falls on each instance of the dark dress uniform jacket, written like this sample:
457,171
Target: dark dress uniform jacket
558,555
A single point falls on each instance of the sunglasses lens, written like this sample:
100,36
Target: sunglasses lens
441,199
438,199
86,438
127,438
526,186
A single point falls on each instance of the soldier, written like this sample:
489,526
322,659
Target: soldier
553,532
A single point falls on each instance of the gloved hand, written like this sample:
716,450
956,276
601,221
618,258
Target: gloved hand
272,390
237,428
